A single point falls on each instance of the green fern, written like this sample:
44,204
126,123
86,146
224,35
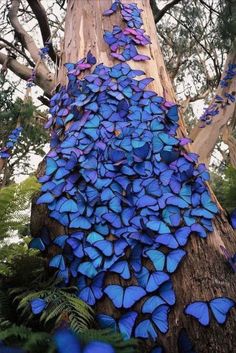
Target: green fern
115,339
62,306
26,338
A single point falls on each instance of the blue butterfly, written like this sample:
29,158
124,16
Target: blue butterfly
124,297
219,307
57,261
125,324
60,240
122,268
171,261
38,305
184,343
233,219
160,318
145,329
90,294
37,243
151,281
66,341
166,292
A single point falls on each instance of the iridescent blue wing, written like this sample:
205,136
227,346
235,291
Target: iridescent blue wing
197,228
37,243
145,329
58,262
157,258
126,324
185,345
38,305
45,198
220,308
173,260
208,203
107,321
60,240
116,294
182,235
168,240
66,342
233,219
160,318
199,310
151,304
167,293
132,294
122,268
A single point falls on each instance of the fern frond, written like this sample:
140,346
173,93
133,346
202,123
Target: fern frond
61,304
108,336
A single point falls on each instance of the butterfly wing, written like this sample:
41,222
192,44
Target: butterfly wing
126,324
173,260
184,343
132,295
157,258
160,318
107,321
200,311
151,304
145,329
167,293
122,268
115,293
220,308
38,305
66,342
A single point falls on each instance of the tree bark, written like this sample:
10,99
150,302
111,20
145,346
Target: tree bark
204,273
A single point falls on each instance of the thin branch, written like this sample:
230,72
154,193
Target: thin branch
18,50
201,45
42,19
159,13
209,7
24,73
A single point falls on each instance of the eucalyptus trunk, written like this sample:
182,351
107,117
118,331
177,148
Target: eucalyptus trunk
204,273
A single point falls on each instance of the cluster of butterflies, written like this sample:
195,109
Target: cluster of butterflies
11,141
230,73
220,102
117,172
123,42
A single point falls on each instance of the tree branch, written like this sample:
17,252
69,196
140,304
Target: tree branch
24,73
42,19
159,13
18,50
205,139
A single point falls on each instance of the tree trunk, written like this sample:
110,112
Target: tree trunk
204,273
205,139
